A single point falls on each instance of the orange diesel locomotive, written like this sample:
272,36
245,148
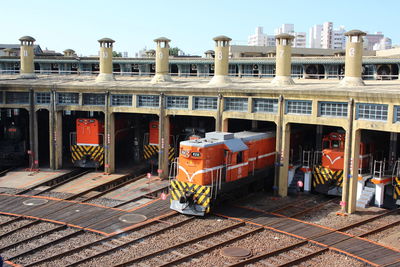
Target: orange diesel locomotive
219,163
328,176
87,149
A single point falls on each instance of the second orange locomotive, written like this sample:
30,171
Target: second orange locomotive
219,163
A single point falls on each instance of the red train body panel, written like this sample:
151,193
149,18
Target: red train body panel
89,132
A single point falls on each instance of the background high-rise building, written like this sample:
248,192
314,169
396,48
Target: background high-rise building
320,36
314,36
261,39
300,39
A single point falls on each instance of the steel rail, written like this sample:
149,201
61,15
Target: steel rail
308,256
80,248
48,232
187,242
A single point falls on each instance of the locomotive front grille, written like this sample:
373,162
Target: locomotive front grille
396,194
95,153
201,193
324,175
150,151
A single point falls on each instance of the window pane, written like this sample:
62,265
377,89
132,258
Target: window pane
236,104
205,103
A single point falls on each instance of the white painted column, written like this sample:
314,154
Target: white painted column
360,188
379,194
307,181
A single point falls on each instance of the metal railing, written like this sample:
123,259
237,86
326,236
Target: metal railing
379,168
202,74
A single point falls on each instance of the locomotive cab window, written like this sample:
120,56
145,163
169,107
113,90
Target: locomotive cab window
335,143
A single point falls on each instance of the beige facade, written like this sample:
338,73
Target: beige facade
162,61
27,68
283,60
221,61
353,61
106,64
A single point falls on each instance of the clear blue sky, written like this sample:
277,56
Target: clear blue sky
191,25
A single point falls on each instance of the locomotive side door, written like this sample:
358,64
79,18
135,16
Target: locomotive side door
227,163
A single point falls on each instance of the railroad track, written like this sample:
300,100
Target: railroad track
101,246
301,251
191,248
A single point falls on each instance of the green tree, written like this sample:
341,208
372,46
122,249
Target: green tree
173,51
117,54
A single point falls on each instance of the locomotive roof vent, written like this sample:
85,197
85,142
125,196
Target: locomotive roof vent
219,135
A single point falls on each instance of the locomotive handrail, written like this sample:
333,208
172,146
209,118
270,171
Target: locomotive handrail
317,158
379,168
306,158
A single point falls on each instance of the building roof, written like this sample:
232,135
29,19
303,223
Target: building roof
106,40
162,39
27,38
284,36
222,38
355,33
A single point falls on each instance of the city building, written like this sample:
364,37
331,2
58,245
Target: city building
314,36
261,39
300,39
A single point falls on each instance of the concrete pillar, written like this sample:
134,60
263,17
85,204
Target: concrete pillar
162,61
283,60
109,137
111,145
353,177
278,143
221,61
27,67
353,60
284,161
106,65
318,138
225,125
393,149
52,135
33,133
220,110
163,140
348,161
58,140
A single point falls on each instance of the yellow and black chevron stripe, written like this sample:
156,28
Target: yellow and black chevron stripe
152,151
396,194
96,153
202,193
324,175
